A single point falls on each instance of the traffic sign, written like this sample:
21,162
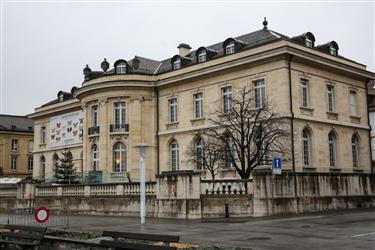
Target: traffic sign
41,215
276,167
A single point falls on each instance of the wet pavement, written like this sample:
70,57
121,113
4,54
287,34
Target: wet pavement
351,229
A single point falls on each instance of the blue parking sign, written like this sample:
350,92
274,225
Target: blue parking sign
276,167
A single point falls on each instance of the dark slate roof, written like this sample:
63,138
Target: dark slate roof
16,123
251,40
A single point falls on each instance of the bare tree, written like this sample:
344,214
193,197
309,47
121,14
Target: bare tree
250,131
206,153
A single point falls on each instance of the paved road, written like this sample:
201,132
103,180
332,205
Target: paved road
339,230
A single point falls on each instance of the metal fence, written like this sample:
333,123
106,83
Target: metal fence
58,217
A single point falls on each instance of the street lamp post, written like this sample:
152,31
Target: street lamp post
142,179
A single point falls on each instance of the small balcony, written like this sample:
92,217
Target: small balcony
94,130
119,128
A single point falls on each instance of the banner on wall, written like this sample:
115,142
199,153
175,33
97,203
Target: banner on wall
66,129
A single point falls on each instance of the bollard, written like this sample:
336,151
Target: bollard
226,210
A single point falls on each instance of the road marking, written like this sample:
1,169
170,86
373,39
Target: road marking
360,235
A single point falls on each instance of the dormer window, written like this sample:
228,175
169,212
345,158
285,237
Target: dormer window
202,56
121,68
332,50
61,97
308,42
229,49
177,63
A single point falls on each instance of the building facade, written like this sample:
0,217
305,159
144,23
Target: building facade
16,146
163,104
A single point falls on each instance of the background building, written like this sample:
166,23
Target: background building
164,103
16,146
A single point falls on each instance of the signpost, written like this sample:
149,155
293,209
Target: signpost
276,166
41,215
276,170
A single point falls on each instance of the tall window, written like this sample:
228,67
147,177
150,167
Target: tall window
229,151
174,157
261,145
306,147
332,50
353,103
198,105
202,56
94,116
332,149
42,168
121,68
227,99
94,158
14,144
172,110
308,42
13,166
259,92
229,49
330,98
31,146
177,63
119,157
355,152
120,113
304,93
199,147
43,135
30,163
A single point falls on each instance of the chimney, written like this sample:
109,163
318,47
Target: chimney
183,49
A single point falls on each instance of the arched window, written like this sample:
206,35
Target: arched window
202,56
177,63
119,157
306,147
332,149
42,168
355,151
94,158
174,157
199,149
230,48
121,68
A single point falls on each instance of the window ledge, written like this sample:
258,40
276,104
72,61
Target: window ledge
332,115
42,144
355,116
307,108
357,170
93,135
198,119
228,169
114,133
334,169
309,168
172,125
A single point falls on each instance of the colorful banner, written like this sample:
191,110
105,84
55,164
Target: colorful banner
66,129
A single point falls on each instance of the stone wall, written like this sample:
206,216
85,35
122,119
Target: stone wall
311,192
184,195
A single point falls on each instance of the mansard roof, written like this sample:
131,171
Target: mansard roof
16,123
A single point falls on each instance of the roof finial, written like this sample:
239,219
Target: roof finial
265,24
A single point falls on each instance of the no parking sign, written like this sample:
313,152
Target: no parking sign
41,215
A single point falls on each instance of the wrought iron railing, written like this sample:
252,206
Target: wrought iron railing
119,128
94,130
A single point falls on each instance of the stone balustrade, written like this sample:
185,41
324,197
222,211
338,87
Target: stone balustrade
226,187
46,191
8,191
110,189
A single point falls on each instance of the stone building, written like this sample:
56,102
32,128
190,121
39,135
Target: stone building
16,146
163,103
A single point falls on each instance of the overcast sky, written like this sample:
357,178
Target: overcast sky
45,46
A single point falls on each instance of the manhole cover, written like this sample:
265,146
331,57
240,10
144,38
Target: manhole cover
259,238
